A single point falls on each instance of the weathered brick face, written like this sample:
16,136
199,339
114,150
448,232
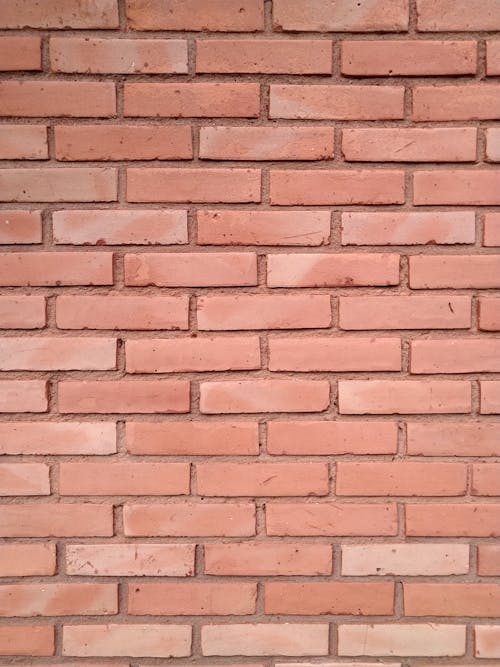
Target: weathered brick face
249,332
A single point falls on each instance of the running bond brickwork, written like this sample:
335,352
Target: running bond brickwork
249,347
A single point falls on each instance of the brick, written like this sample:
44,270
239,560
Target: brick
273,559
334,354
63,184
179,355
54,14
86,55
130,560
363,186
408,57
25,560
198,99
196,15
57,353
192,599
490,398
23,396
408,228
57,520
29,640
123,396
191,269
364,16
22,312
404,312
458,15
58,599
23,142
492,144
264,56
20,227
451,599
190,519
122,142
359,397
454,271
51,269
266,143
453,520
20,52
77,99
292,639
491,236
415,639
492,57
24,479
336,102
122,312
414,144
239,227
488,560
193,185
263,311
191,438
487,641
453,439
486,479
457,187
125,639
262,479
329,597
400,479
480,101
57,438
464,355
331,437
251,396
404,559
332,270
489,314
331,519
123,479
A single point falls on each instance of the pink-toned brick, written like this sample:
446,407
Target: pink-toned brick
18,227
491,235
473,101
454,271
20,52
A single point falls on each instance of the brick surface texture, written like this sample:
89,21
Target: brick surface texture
249,333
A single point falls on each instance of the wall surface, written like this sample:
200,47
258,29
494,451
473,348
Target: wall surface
250,361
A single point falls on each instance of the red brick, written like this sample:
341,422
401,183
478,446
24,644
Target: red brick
459,187
39,98
29,640
25,560
179,355
60,184
57,438
454,271
123,142
22,312
20,52
198,99
190,438
487,641
401,479
263,311
474,101
190,519
196,15
414,144
57,520
124,396
491,235
56,268
489,314
23,396
359,397
492,144
239,227
192,599
336,102
20,227
86,55
54,14
57,353
24,479
486,479
122,312
458,15
58,599
251,396
408,57
331,437
453,520
492,57
264,56
332,270
331,519
444,599
329,597
23,142
191,269
408,228
343,16
490,398
261,559
453,439
488,557
464,355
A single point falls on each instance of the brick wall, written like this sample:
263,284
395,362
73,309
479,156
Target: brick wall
250,364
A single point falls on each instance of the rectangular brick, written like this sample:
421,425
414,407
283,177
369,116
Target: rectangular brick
492,57
487,641
491,235
50,269
24,479
29,640
23,142
54,14
486,479
451,599
488,559
457,15
492,144
453,520
17,226
472,101
57,438
60,184
27,560
20,52
57,520
490,398
23,396
454,271
22,312
489,314
453,438
464,355
58,599
458,187
57,353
